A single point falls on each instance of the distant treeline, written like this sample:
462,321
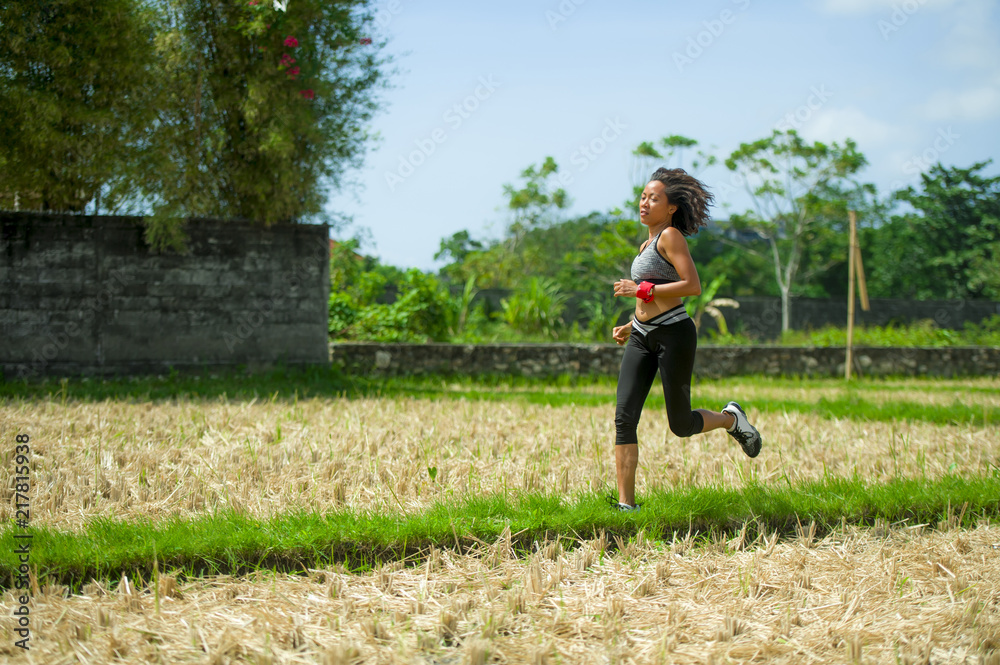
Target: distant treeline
552,277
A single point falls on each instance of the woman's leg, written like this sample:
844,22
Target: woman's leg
626,463
634,379
716,420
676,345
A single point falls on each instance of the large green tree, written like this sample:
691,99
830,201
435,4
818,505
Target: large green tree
499,264
250,112
952,235
75,82
789,181
824,265
262,111
535,202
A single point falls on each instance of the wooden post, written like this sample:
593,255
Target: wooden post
859,266
851,256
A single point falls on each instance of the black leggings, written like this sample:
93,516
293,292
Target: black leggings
671,349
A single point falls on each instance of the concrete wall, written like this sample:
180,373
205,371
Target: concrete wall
710,361
84,295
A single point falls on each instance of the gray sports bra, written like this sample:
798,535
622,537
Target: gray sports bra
651,266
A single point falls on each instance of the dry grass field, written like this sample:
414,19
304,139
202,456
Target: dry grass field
184,457
893,596
906,594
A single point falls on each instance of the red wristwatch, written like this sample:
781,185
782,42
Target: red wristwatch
645,292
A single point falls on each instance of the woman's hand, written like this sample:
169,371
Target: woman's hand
626,288
621,333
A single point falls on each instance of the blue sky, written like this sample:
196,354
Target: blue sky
487,89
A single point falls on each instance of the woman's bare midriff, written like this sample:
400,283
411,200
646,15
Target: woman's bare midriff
644,311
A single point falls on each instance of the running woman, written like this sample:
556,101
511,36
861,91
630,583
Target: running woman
661,335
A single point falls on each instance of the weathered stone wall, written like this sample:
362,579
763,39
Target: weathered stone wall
84,295
711,361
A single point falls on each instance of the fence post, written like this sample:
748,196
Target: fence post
851,255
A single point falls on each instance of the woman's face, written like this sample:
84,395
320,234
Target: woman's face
654,209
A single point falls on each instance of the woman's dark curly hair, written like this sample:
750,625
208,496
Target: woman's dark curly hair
689,194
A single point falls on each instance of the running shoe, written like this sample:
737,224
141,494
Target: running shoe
743,431
612,499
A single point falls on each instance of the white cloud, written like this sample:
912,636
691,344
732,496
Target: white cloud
981,103
850,122
972,40
855,7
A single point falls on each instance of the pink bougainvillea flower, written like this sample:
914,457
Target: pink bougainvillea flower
252,2
293,72
291,41
286,59
366,40
308,94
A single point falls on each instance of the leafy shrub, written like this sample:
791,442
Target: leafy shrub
481,328
347,266
602,314
985,333
730,338
343,313
535,307
920,333
424,310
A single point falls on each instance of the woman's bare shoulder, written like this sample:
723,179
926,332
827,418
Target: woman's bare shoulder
671,237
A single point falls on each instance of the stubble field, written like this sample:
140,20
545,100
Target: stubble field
893,593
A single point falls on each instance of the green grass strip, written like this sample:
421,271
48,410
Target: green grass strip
236,544
279,383
856,408
300,383
848,408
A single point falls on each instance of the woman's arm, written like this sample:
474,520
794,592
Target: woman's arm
621,333
673,245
